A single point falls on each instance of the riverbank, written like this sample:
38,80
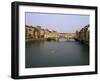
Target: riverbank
42,39
39,39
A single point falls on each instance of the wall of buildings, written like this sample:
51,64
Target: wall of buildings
83,34
37,33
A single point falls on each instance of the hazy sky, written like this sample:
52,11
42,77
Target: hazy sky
65,23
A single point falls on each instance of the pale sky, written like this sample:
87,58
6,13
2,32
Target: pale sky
62,23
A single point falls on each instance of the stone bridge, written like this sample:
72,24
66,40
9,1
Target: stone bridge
67,35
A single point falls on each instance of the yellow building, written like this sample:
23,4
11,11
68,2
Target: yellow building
37,33
42,33
29,32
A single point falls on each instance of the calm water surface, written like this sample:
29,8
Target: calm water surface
52,54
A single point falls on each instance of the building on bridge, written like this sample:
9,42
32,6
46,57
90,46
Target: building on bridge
70,36
67,36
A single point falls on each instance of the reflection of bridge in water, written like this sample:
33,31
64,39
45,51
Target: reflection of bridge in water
67,36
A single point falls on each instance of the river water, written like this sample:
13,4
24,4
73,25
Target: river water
56,53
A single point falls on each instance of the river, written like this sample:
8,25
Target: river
56,53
